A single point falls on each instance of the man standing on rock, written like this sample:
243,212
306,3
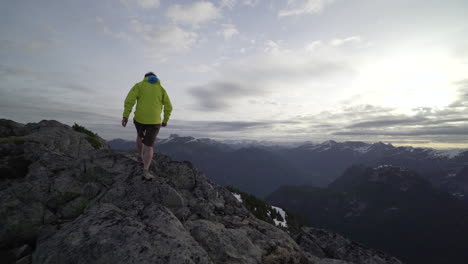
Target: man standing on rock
151,98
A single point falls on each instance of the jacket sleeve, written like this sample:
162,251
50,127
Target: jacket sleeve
167,106
130,101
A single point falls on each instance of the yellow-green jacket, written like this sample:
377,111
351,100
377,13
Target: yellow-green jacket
150,98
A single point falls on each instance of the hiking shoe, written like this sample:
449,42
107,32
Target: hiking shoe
147,175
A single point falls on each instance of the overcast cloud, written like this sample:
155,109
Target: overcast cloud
298,70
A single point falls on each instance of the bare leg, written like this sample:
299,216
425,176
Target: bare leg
139,144
147,157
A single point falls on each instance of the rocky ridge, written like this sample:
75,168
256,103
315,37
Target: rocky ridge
63,201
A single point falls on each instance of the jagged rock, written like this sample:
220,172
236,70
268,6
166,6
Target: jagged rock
335,248
171,198
309,244
24,260
23,251
106,234
76,204
9,128
225,244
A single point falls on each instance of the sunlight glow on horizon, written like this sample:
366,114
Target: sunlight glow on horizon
408,80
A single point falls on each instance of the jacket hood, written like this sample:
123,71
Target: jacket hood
152,79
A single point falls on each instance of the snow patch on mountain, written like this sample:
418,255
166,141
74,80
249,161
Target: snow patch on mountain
276,214
447,153
238,196
363,149
450,175
359,147
383,166
354,146
283,215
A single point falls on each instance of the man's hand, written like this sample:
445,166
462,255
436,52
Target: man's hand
124,121
164,124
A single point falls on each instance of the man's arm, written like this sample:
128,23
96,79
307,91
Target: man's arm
167,108
129,103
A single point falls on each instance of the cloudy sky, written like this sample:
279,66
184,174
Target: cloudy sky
372,70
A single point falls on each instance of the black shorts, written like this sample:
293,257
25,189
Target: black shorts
147,133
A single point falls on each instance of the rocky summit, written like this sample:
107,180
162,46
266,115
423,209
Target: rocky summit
67,198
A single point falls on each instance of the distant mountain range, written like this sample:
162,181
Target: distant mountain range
261,167
256,170
387,207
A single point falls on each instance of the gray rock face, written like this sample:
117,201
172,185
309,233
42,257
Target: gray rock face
73,204
106,234
336,249
65,202
10,128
